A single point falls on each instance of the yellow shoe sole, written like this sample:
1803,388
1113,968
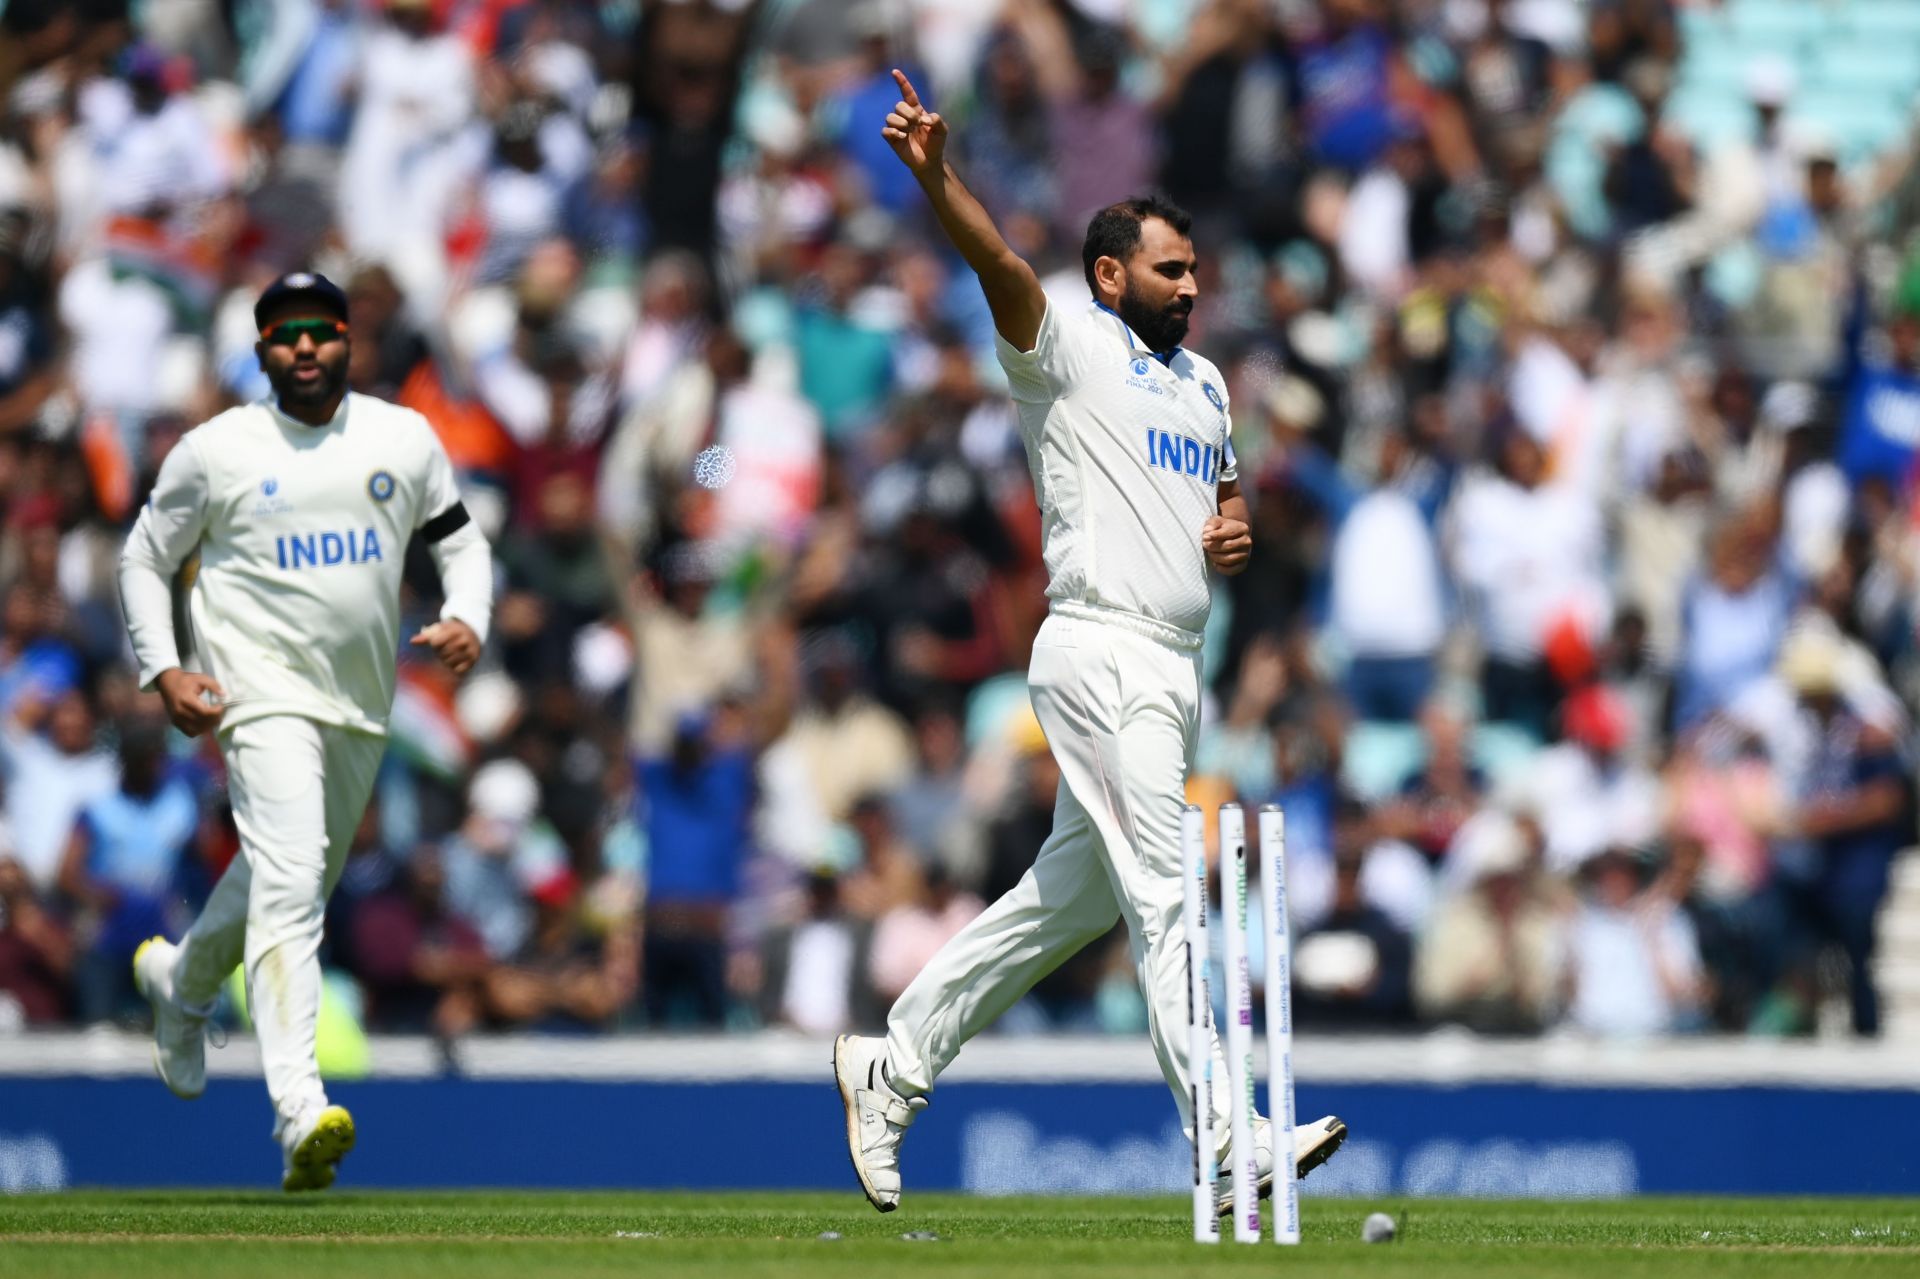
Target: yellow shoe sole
315,1161
139,984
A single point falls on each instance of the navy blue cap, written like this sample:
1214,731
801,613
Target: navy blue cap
302,286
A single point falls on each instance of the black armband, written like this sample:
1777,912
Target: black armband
447,523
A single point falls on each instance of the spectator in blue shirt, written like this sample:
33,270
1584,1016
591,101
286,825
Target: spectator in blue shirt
698,799
122,865
316,106
870,98
1880,425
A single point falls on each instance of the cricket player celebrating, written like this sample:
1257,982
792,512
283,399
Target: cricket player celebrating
291,517
1127,439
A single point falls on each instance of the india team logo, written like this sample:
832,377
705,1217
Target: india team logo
380,486
1214,397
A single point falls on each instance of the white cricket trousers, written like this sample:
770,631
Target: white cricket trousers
1121,712
298,789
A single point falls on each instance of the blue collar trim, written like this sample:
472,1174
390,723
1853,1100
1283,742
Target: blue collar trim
1165,359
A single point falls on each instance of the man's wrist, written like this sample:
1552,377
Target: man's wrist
933,178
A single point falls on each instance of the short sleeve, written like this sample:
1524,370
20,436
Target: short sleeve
1230,465
1060,356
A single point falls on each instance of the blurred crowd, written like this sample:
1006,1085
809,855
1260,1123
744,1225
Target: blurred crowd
1577,409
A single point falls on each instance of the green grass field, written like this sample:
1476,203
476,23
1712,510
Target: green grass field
534,1235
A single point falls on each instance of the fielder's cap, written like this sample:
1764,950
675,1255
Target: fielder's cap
300,286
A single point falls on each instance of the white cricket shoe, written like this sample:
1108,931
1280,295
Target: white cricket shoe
179,1032
315,1148
1313,1144
877,1116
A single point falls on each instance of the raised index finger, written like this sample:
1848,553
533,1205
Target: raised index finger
906,87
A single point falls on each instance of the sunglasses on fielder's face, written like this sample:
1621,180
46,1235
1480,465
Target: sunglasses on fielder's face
289,332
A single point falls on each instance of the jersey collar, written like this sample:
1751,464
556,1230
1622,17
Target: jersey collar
1133,339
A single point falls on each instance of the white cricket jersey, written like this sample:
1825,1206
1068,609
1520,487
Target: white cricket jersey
1127,453
300,533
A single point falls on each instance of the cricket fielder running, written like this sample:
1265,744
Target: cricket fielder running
1127,438
291,516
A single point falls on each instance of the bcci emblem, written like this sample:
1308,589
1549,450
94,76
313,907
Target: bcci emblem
380,486
1213,396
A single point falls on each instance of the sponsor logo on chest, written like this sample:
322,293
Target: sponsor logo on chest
270,500
1140,376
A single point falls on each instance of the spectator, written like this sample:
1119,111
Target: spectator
888,877
697,799
907,936
29,373
122,867
1634,962
1851,813
1725,931
558,562
1529,553
1444,793
567,978
423,966
51,776
846,356
1388,599
816,970
1587,790
36,954
1492,956
387,346
1353,969
537,159
36,665
686,654
1732,621
500,850
415,92
931,808
371,870
1014,837
1882,402
849,744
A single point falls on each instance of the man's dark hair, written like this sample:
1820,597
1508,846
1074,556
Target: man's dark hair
1115,230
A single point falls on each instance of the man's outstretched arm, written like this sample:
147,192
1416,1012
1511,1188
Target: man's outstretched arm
919,137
